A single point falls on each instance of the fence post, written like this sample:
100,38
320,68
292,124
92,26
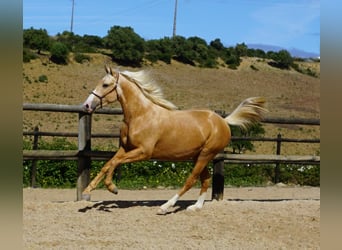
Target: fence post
84,144
277,169
218,179
34,162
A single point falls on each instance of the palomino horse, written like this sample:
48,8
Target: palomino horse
154,128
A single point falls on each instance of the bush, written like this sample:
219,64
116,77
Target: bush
63,174
247,174
52,173
81,58
159,50
43,78
282,59
36,39
59,53
28,55
127,47
240,146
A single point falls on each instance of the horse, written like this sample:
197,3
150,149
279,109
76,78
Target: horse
154,128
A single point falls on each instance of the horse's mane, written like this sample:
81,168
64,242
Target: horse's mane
149,88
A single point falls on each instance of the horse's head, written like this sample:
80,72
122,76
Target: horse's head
105,91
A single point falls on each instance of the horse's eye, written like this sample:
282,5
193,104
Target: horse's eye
105,85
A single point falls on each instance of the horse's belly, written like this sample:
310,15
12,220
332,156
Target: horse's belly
178,147
178,152
189,133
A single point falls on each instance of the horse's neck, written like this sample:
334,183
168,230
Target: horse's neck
133,101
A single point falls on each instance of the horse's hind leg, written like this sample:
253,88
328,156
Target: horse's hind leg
205,182
200,166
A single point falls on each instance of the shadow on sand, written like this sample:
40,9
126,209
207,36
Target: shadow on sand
108,206
181,205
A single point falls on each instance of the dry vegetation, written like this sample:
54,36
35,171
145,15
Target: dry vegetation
288,94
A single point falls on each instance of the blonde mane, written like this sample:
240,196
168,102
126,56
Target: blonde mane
149,88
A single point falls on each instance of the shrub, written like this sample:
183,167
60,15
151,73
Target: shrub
59,53
52,173
282,59
240,146
81,58
127,47
36,39
43,78
159,50
28,55
247,174
63,174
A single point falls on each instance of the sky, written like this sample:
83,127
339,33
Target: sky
289,24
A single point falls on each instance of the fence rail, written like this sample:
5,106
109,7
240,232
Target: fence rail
84,155
106,155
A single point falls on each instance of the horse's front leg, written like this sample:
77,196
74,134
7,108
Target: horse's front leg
111,164
108,169
138,154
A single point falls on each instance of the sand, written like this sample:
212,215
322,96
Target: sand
274,217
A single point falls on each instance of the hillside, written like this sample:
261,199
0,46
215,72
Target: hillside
288,93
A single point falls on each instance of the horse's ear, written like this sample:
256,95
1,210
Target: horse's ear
108,69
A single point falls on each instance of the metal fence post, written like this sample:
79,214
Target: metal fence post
84,144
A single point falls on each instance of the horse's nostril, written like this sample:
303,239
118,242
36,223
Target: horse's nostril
87,106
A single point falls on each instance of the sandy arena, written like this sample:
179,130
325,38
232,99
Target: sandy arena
274,217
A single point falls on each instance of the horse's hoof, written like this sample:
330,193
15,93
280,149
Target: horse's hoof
161,211
86,197
115,190
193,208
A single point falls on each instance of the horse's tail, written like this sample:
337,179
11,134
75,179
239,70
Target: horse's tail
247,113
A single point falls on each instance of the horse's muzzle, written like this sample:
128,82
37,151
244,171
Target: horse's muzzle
87,108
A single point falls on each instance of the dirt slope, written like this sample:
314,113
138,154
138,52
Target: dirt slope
288,93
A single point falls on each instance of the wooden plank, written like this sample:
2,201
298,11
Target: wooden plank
106,155
117,111
275,158
67,108
50,154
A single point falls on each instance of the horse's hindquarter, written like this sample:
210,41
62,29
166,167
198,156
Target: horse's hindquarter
184,134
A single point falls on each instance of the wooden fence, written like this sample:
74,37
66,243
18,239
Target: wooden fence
84,155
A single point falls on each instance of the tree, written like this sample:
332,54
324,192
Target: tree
93,41
217,44
59,53
231,58
36,39
284,59
241,145
182,49
203,55
69,39
127,47
159,50
241,49
281,59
